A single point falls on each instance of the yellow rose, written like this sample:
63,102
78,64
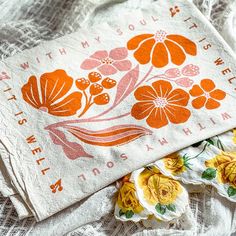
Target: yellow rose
234,137
158,188
127,199
174,163
225,163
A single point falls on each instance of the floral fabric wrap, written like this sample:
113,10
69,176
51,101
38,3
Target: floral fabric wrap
82,111
162,187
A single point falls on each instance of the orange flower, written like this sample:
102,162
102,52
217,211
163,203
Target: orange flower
206,95
161,48
54,86
160,104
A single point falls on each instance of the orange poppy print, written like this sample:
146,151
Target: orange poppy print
53,96
206,95
160,104
161,48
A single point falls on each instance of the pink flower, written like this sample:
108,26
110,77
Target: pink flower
108,63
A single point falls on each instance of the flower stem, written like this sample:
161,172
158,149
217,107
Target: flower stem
87,106
86,97
160,77
144,78
204,148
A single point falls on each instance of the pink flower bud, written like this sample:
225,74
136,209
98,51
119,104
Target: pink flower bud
184,82
190,70
172,73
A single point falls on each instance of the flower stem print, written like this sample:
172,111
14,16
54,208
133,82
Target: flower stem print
219,144
88,104
181,78
200,153
144,79
177,163
187,159
213,141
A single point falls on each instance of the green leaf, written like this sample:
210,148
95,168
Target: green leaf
210,141
220,145
209,174
129,214
188,166
121,213
186,161
231,191
171,207
185,157
160,209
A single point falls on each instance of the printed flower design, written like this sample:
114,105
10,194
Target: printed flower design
127,200
158,188
54,99
174,163
206,95
108,63
161,104
96,85
225,163
161,48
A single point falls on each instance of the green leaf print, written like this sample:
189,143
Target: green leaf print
160,209
231,191
209,174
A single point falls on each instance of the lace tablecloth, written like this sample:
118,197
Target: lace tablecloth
26,23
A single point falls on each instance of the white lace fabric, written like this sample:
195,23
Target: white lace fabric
207,216
24,24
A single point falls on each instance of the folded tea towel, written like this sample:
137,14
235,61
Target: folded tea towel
81,111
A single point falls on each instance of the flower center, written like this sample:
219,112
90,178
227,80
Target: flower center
107,60
44,109
207,95
160,36
164,192
160,102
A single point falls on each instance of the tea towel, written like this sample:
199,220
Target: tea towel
91,107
